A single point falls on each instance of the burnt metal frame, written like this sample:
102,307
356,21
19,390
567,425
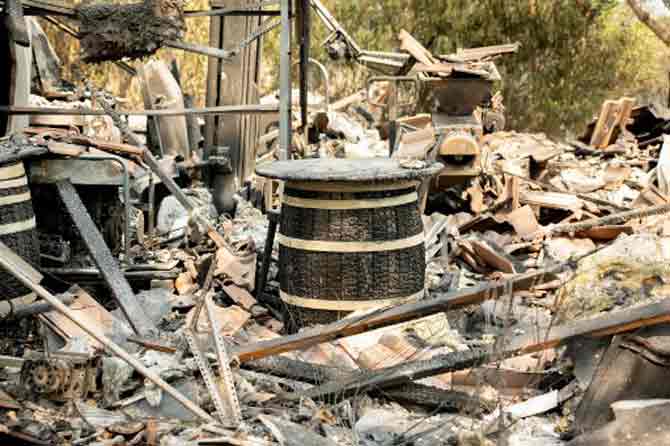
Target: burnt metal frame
285,129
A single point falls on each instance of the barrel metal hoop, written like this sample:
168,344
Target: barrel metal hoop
349,187
19,226
13,171
13,199
350,247
346,305
369,203
13,183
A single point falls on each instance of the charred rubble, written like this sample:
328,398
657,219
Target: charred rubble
374,270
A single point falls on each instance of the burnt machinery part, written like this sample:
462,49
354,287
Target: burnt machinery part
382,257
17,225
60,378
457,97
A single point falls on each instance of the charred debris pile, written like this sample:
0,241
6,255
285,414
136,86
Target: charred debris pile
393,267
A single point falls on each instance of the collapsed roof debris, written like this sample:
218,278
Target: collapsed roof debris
391,267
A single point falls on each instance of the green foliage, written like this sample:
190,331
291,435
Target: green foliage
571,57
573,54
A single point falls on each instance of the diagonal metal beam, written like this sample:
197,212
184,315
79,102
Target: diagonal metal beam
104,260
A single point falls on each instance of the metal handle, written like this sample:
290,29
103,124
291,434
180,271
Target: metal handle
326,79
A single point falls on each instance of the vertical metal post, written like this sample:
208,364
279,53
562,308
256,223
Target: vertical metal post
152,211
285,91
303,14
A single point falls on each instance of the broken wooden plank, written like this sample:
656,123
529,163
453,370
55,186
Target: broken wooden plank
492,258
419,52
346,101
104,259
125,149
391,316
612,115
552,200
65,149
606,232
439,68
478,53
606,325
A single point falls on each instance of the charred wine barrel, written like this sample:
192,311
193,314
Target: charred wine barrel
344,249
350,237
17,225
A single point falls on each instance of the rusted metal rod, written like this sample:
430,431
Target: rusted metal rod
614,219
5,256
221,110
200,49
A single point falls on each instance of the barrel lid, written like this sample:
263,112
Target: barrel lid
349,170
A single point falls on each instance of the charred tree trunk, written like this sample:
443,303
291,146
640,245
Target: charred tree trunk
113,32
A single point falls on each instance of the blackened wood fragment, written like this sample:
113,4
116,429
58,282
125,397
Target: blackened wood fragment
114,32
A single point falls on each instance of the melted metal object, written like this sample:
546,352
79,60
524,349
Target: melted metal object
62,377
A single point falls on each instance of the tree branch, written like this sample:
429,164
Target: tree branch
661,30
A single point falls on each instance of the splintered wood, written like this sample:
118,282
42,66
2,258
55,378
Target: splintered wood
613,114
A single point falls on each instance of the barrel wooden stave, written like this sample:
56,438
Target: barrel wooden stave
17,225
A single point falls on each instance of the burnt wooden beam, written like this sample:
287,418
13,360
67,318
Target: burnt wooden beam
391,316
415,393
104,259
606,325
